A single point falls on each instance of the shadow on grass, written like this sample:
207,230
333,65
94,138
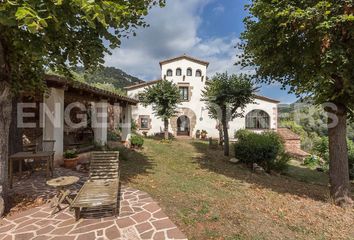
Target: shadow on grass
133,163
213,160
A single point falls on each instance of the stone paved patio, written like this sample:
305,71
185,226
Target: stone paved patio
139,217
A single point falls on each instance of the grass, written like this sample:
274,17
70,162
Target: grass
210,198
305,174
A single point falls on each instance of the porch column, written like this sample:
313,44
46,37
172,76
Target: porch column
53,121
126,124
100,121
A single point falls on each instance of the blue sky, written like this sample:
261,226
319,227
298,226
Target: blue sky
206,29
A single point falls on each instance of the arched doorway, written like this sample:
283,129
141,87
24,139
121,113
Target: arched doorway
183,126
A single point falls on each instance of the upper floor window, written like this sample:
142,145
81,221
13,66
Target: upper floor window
257,119
184,92
198,73
169,73
189,72
178,72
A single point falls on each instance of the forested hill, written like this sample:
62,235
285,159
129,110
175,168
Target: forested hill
109,75
304,116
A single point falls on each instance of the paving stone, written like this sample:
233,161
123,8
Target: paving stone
27,228
163,224
112,232
86,236
151,207
24,236
125,222
92,227
62,230
39,215
143,227
141,217
45,230
160,214
159,236
6,228
138,217
175,234
147,235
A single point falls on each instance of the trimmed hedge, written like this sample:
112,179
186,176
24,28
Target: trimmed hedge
265,149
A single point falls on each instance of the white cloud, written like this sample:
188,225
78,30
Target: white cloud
219,9
173,31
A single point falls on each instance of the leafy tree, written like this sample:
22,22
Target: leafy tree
164,97
309,46
226,97
41,35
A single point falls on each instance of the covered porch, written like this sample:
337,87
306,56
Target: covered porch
73,114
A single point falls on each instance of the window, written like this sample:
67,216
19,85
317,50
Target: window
189,72
178,72
198,73
144,122
257,119
184,92
169,73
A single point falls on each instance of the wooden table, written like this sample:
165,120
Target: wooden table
20,156
61,183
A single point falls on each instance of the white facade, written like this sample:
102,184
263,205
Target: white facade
197,117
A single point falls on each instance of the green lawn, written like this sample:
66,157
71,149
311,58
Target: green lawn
210,198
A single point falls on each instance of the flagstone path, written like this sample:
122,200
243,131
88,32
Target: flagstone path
139,218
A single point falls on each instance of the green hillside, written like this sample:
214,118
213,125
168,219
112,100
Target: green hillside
109,75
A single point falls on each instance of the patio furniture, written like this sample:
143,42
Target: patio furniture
100,192
62,184
20,156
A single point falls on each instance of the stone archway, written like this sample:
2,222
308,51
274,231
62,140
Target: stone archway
184,112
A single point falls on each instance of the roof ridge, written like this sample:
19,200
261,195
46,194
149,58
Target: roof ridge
184,56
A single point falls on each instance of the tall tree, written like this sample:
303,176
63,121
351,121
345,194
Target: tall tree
164,98
309,46
226,97
39,35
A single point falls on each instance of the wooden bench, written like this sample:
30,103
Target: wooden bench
100,192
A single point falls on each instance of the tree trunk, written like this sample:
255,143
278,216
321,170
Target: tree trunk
225,130
166,128
338,155
15,138
5,121
221,135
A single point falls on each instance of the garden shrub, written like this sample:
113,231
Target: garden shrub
351,158
137,141
312,161
266,149
321,148
242,133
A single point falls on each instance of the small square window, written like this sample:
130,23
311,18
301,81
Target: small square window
144,122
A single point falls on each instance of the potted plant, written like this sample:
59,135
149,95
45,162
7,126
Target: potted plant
70,158
203,134
197,134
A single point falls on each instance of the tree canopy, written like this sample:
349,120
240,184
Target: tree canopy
308,45
226,97
164,98
37,35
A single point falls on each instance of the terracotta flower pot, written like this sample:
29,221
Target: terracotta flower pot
70,162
